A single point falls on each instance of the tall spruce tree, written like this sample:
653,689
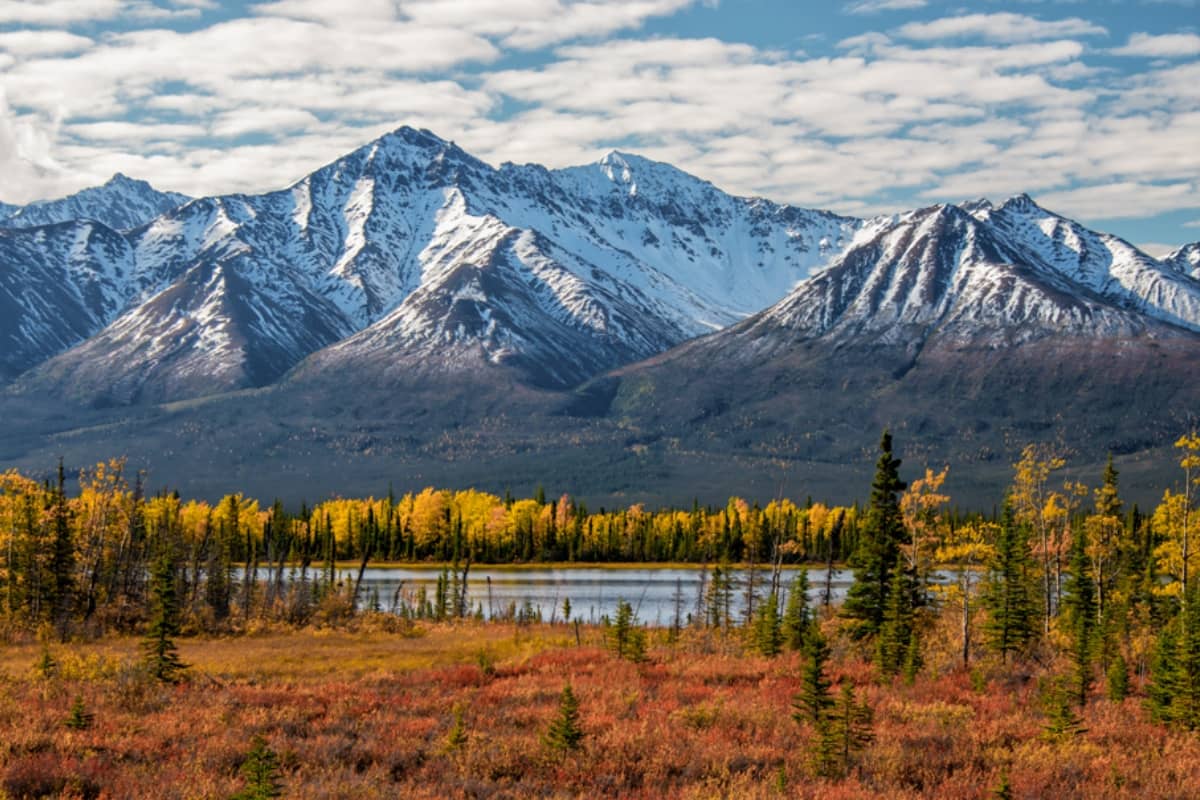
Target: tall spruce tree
1164,675
796,618
813,700
62,564
161,656
880,538
768,634
1009,593
1080,605
897,647
850,726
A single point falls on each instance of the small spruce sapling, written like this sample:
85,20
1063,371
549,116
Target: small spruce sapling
456,739
261,771
46,666
564,733
1118,679
79,718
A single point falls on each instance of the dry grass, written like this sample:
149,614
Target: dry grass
366,714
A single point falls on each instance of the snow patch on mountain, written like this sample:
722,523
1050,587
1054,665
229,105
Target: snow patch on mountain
410,254
947,274
1103,264
121,204
1186,260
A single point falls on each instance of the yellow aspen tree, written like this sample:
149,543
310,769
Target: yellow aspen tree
965,550
1104,530
1190,445
1031,498
923,506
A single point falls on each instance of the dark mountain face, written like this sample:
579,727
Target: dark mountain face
409,313
59,284
952,332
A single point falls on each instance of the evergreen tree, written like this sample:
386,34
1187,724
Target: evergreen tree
716,600
160,653
1003,790
796,616
1009,594
897,647
625,638
442,595
1188,698
564,732
62,564
79,718
1081,615
46,666
1062,723
1118,679
261,771
813,700
768,635
878,551
850,726
456,739
1164,675
217,578
1174,692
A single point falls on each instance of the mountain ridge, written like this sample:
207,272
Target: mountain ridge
409,309
348,244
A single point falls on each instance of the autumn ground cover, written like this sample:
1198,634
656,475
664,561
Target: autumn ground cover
369,712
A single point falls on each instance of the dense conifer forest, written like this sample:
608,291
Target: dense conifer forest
1068,634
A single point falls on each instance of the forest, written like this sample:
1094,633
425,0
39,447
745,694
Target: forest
1062,658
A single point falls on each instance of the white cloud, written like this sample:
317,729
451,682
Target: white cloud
135,133
27,43
1157,249
145,10
249,104
57,12
30,172
1123,200
1000,27
529,24
524,24
243,121
875,6
1169,45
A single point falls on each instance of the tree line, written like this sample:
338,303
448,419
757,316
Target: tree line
1059,568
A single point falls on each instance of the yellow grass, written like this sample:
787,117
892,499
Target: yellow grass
311,655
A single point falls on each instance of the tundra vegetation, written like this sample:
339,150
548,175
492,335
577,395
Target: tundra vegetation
1061,660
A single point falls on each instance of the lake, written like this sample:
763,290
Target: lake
593,591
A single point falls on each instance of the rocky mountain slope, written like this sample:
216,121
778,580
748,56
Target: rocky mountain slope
411,312
424,254
1186,259
121,203
971,329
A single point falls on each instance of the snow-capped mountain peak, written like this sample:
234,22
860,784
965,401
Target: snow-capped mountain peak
1185,260
410,253
121,203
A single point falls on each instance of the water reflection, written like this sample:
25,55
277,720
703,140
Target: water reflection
593,592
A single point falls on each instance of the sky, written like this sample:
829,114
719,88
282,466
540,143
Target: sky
857,106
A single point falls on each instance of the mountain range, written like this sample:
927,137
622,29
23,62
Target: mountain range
409,312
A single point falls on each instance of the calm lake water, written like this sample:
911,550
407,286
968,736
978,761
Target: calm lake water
593,591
